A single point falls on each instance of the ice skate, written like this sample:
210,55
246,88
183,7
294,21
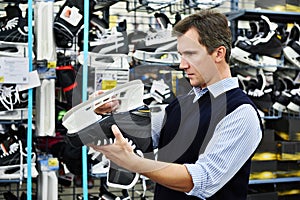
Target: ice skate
171,58
14,44
282,101
13,49
130,96
111,41
13,103
244,57
262,50
13,160
102,167
294,104
157,4
105,61
132,117
110,69
118,177
14,37
292,56
69,21
292,50
16,114
158,39
158,47
255,60
208,4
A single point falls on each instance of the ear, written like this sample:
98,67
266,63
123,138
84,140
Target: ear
220,53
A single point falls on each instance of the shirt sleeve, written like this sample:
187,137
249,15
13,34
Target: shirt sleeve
235,139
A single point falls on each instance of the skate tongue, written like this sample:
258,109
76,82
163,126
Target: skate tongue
270,26
12,12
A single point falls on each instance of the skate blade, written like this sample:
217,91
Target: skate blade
269,64
107,61
172,58
279,107
12,49
266,62
16,114
16,171
244,57
130,96
292,56
293,107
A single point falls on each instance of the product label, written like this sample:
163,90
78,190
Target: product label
14,70
71,15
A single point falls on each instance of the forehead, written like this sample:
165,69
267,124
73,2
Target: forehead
188,40
191,35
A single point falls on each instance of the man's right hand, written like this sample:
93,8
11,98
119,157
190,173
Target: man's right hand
108,107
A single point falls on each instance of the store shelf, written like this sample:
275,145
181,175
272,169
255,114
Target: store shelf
275,180
247,15
104,5
9,180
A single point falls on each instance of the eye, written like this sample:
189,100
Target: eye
188,54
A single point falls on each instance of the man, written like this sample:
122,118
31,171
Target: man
210,134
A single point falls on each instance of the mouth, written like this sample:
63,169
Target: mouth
189,75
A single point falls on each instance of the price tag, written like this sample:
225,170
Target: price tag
71,15
14,70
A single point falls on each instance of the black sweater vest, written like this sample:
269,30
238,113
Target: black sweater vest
183,134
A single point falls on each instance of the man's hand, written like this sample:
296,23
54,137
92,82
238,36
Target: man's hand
107,107
120,152
171,175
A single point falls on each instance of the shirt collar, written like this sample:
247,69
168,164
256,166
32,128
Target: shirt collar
217,88
199,92
223,86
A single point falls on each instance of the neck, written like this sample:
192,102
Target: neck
223,72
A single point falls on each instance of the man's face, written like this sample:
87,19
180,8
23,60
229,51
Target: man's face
198,65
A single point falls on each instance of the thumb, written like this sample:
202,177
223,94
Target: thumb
120,140
117,133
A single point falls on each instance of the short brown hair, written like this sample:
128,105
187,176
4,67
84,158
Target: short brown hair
212,28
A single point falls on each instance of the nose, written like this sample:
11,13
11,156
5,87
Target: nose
183,63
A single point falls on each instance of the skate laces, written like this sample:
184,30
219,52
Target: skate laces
107,36
12,149
10,24
33,155
6,96
110,141
159,36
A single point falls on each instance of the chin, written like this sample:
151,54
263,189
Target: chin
194,84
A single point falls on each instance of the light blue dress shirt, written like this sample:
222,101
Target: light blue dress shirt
234,140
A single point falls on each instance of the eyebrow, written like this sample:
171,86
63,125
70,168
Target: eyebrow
187,52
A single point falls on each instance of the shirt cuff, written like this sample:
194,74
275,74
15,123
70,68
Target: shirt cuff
198,181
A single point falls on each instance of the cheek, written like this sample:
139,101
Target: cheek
198,65
204,72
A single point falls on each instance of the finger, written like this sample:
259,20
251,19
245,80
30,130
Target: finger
96,93
101,148
115,105
120,140
118,135
105,108
93,95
